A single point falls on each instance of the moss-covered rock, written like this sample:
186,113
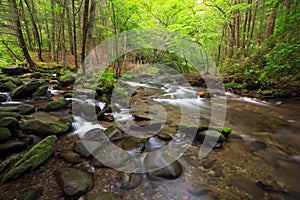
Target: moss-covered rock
36,75
41,91
234,85
9,122
57,105
10,161
43,124
225,131
13,70
4,133
37,155
7,86
10,114
25,91
67,80
3,98
22,109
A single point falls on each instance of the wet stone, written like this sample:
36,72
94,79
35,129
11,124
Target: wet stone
72,181
86,147
258,145
207,164
170,172
71,157
129,181
131,144
4,133
12,147
154,144
32,194
3,98
164,136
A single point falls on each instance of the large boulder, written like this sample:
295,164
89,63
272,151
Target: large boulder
43,124
4,133
72,181
10,147
57,105
37,155
9,122
25,91
13,70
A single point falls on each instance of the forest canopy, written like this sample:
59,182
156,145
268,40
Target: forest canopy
253,42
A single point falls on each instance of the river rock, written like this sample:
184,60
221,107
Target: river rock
43,124
3,97
4,133
129,181
72,181
37,155
57,105
86,147
131,144
9,161
36,75
10,147
9,122
25,91
13,70
9,114
114,133
41,91
103,196
7,86
23,109
67,80
154,144
71,157
170,172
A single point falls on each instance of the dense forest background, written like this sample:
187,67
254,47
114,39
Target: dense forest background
254,43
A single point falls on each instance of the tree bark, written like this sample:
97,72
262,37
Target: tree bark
272,19
84,31
16,20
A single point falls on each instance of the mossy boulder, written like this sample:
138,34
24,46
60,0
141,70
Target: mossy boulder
22,109
10,114
16,81
43,124
7,86
36,75
41,91
13,70
3,98
225,131
10,161
9,122
37,155
57,105
25,91
4,133
67,80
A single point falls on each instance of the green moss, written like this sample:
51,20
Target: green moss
9,122
234,85
37,155
56,105
225,131
4,133
9,86
9,161
9,114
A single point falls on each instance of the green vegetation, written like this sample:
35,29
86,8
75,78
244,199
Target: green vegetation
255,44
37,155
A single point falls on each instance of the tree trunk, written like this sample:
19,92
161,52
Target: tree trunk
84,31
272,19
74,32
16,20
35,29
69,23
53,54
91,25
26,27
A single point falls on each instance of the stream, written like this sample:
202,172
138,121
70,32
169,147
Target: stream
260,159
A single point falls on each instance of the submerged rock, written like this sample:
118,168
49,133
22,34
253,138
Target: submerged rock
71,157
67,80
129,181
170,172
37,155
43,124
72,181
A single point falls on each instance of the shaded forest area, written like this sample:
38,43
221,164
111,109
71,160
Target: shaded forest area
254,43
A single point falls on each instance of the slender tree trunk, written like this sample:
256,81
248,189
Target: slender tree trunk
26,26
84,31
69,23
63,45
91,25
74,32
253,21
35,29
16,20
11,51
260,33
272,19
53,54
